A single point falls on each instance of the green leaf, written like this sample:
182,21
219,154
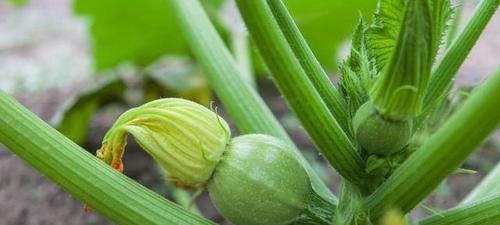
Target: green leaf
383,33
18,2
387,22
73,119
352,88
138,31
357,71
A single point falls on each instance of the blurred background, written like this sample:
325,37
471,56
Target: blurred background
79,64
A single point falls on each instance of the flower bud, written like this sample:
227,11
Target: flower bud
379,135
185,138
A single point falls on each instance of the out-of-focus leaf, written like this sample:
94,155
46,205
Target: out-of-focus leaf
74,117
18,2
326,24
177,78
138,31
130,30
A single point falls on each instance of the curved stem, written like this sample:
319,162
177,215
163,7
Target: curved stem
89,180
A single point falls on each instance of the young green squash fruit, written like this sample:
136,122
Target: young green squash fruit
378,135
259,182
252,179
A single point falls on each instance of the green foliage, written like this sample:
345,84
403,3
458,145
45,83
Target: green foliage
141,31
18,2
387,22
138,31
357,71
384,31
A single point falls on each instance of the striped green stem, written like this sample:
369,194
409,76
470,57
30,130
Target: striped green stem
310,64
485,211
89,180
300,92
423,171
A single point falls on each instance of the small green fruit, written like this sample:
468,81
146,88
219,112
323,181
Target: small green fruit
259,182
378,135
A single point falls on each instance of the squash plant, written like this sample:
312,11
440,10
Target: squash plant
392,84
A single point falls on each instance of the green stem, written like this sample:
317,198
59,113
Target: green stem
241,53
310,64
89,180
299,91
489,186
473,213
441,154
445,71
244,105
